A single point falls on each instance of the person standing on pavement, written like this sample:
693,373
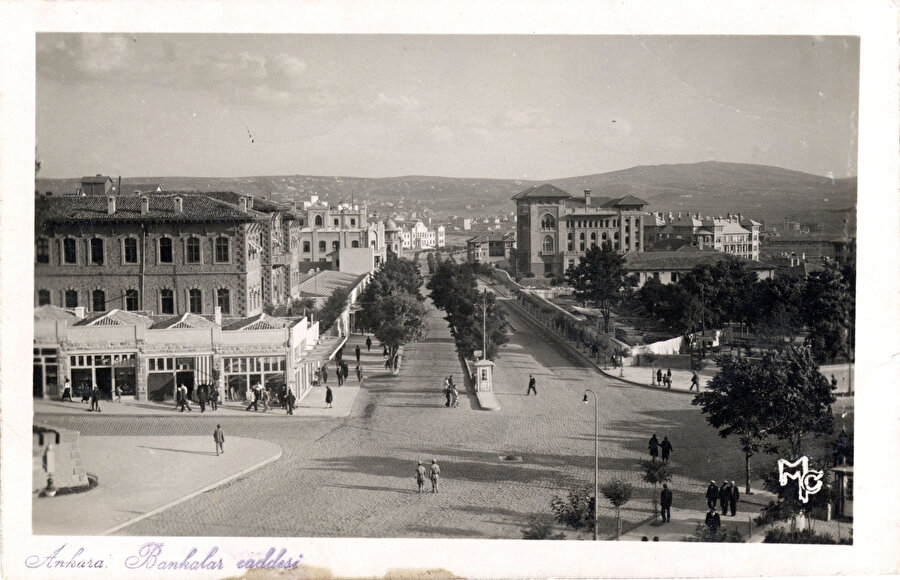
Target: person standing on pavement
712,494
264,398
213,398
669,378
653,446
254,398
733,498
329,397
447,391
695,382
713,521
324,374
420,476
118,393
532,386
665,502
454,396
368,344
95,398
435,475
340,375
201,397
289,400
67,391
219,438
359,373
356,350
666,449
659,377
724,497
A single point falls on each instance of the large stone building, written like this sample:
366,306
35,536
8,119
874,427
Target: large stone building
489,248
554,229
671,267
733,234
420,236
167,254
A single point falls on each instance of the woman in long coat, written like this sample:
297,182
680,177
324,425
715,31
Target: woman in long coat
328,397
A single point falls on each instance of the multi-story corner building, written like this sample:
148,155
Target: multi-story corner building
164,254
733,234
420,236
554,229
325,229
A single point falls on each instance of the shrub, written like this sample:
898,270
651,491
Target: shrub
726,535
783,536
541,528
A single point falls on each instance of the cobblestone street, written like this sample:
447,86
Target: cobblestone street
354,476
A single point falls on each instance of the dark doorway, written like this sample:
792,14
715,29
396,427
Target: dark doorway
186,378
37,385
160,386
103,376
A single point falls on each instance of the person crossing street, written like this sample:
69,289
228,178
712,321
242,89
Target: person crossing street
435,475
532,386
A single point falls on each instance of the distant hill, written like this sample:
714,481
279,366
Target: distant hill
766,193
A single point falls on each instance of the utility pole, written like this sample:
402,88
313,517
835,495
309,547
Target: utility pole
484,325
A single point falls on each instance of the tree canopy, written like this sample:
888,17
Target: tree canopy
599,278
393,306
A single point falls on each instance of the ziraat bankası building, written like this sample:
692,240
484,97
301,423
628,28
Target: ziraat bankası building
554,229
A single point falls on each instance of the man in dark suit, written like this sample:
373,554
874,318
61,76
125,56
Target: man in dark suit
219,437
368,344
733,498
713,521
724,497
357,352
665,502
532,386
666,449
653,446
712,494
201,397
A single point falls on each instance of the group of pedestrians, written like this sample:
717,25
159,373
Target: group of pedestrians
258,395
655,447
664,378
451,392
727,495
434,475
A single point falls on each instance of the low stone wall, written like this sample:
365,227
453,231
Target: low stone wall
62,445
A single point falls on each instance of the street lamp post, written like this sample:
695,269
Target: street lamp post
596,453
484,326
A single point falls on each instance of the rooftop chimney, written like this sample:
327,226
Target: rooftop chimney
111,205
293,206
587,197
80,311
217,316
179,204
245,203
145,205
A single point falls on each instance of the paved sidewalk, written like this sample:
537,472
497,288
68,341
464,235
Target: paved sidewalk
137,479
312,405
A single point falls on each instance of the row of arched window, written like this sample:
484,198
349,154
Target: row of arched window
98,301
323,246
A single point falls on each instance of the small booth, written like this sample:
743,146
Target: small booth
843,491
484,376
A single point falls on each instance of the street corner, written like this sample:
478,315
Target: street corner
314,403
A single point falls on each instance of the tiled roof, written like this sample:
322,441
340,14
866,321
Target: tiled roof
50,312
259,322
539,191
96,179
631,200
195,207
683,261
259,204
327,281
114,317
186,320
490,237
140,188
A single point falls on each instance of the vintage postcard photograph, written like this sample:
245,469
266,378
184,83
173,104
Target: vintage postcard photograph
296,288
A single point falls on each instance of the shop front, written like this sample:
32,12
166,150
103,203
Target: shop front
242,372
106,371
46,373
166,373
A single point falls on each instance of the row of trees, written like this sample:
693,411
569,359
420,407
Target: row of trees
472,315
393,307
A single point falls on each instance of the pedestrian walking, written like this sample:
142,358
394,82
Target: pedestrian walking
184,399
454,396
532,386
659,379
253,395
264,398
201,397
359,373
666,449
734,498
67,391
356,350
368,344
665,503
724,497
653,446
340,375
219,438
289,400
324,374
329,397
669,378
214,398
384,351
95,398
420,476
713,521
345,369
447,391
695,382
435,475
712,494
118,393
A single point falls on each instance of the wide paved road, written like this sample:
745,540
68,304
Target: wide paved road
354,476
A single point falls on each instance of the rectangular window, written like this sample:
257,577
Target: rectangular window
193,251
306,247
165,250
223,250
335,222
223,299
70,255
131,300
131,255
195,301
42,251
71,298
167,301
98,301
96,250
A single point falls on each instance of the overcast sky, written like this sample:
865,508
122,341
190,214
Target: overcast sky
528,107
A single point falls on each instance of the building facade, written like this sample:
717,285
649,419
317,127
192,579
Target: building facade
554,229
165,254
671,267
733,234
489,248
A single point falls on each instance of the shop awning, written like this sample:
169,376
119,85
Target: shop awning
325,350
